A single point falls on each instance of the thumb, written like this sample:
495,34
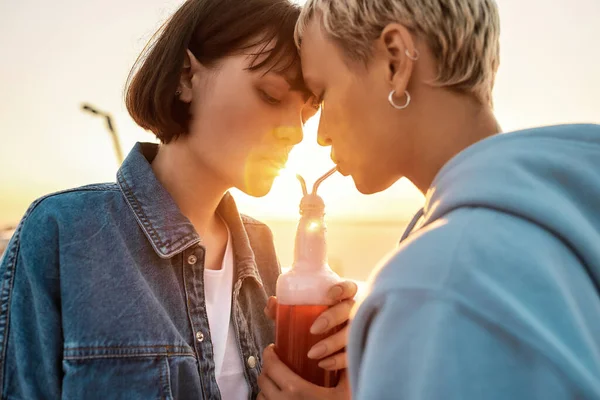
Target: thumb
271,308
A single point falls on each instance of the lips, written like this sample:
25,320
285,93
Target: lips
338,163
276,162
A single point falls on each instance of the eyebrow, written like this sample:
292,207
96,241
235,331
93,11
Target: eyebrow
297,84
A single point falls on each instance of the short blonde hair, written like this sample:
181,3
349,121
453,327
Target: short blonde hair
463,35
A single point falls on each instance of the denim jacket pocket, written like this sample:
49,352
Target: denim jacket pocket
120,372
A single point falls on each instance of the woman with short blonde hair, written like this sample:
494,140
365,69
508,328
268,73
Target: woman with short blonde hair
494,290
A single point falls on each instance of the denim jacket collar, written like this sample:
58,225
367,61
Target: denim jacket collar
167,229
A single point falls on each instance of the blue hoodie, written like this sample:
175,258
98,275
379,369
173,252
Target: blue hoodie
495,293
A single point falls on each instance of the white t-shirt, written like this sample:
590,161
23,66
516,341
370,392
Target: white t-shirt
229,368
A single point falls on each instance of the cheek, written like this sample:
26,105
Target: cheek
367,99
234,111
229,123
231,109
347,115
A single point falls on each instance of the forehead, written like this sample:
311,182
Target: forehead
323,59
315,50
281,59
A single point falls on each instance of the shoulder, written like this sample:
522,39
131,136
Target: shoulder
70,200
496,268
560,130
51,213
465,246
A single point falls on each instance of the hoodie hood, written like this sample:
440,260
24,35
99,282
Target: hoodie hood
549,176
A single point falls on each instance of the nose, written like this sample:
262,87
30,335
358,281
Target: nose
289,132
322,138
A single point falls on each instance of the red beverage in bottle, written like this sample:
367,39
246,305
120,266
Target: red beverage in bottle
302,293
293,342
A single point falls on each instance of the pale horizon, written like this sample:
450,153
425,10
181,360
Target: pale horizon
59,55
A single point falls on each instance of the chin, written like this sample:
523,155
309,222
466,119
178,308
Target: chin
258,187
370,185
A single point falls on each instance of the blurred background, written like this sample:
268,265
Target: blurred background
57,56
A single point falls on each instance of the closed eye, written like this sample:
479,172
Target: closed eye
269,99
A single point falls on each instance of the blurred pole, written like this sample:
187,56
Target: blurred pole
110,127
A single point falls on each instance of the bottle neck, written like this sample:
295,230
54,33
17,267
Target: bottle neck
310,252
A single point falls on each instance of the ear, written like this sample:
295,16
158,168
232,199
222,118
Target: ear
398,49
191,67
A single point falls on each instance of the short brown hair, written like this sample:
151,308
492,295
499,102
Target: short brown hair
211,30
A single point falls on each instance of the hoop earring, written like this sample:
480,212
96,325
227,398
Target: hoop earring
396,106
414,57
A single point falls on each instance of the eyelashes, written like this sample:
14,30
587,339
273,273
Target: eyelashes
311,107
268,98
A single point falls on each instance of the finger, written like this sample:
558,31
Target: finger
330,345
271,308
268,388
335,362
332,317
279,373
342,291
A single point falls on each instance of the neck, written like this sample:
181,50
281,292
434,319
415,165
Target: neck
196,190
459,122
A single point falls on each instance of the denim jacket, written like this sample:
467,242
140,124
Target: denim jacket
102,294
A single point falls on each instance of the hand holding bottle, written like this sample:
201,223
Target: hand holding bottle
279,382
330,350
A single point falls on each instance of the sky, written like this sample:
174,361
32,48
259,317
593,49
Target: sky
57,55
